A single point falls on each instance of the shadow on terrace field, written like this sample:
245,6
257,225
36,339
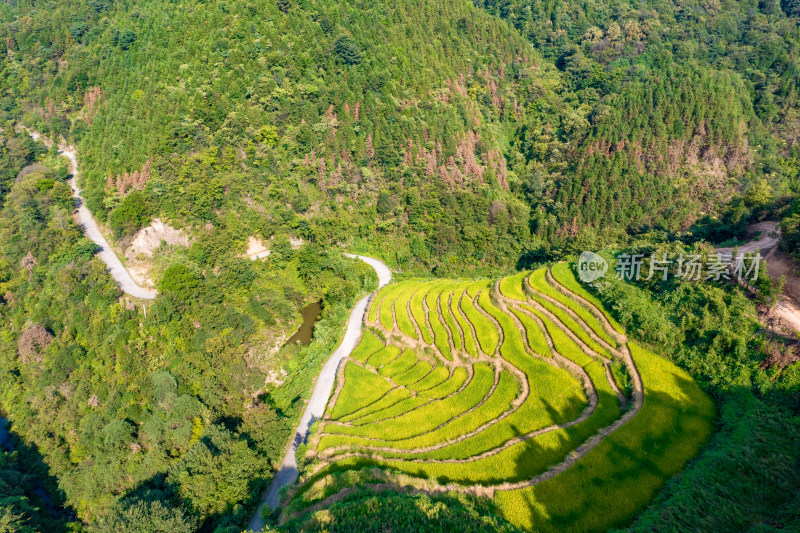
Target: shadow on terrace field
617,478
365,511
534,456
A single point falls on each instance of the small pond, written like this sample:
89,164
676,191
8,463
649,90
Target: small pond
4,436
305,332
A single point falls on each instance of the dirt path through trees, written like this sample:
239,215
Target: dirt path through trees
787,309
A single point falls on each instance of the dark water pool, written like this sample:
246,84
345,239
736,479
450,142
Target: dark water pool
306,331
3,433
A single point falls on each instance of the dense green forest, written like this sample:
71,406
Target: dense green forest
448,138
325,121
161,413
691,106
454,143
29,497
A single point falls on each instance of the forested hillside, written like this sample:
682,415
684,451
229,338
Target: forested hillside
327,121
689,106
429,131
160,413
449,138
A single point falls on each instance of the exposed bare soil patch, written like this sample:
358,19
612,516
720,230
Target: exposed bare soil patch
139,253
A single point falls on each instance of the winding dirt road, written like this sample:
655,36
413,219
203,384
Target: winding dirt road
90,228
319,398
787,309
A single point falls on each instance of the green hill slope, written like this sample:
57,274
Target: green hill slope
294,116
434,122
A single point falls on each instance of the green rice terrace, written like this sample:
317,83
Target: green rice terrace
524,390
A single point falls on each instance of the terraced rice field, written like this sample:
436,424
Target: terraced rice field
514,390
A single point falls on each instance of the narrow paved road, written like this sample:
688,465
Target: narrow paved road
319,398
89,226
260,255
322,390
